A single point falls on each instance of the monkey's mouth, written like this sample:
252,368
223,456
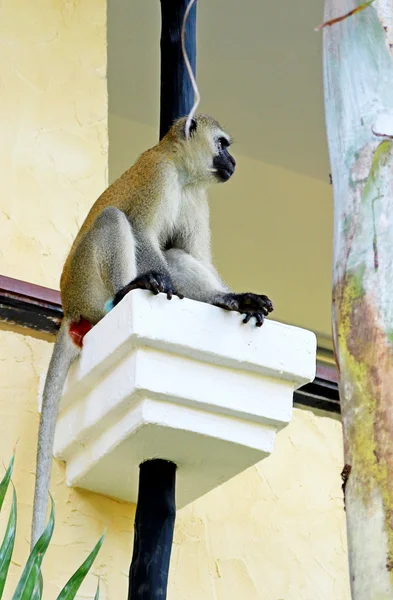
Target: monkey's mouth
223,168
224,174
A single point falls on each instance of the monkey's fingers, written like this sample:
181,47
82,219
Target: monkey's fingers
159,283
258,317
268,303
156,283
248,299
170,293
251,303
257,303
155,288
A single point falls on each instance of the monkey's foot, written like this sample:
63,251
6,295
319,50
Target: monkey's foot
251,305
152,281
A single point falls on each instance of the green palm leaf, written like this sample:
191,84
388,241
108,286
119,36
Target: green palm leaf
30,585
72,586
30,579
7,546
96,597
6,480
38,584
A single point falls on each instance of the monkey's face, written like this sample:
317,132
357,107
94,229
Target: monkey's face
205,154
217,163
223,162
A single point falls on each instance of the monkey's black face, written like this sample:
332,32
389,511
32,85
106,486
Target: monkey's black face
223,162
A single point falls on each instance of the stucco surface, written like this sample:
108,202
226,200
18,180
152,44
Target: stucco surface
276,531
54,141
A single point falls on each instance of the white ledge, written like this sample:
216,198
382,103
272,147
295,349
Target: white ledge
182,381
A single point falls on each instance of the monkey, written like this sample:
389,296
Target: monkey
148,230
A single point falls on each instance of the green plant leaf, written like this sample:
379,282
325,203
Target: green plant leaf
7,546
97,596
27,585
72,586
38,583
6,480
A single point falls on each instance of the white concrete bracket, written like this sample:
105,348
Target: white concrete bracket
179,380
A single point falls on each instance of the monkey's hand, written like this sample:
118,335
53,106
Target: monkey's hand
152,281
251,305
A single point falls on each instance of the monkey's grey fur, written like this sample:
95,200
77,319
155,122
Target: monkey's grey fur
149,229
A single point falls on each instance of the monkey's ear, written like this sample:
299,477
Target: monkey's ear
193,126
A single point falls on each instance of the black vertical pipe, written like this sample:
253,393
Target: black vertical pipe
177,95
156,508
153,533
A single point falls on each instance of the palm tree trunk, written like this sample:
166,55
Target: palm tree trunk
358,80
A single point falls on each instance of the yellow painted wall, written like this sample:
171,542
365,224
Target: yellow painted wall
54,140
276,531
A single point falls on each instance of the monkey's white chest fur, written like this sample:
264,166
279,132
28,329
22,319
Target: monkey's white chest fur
180,210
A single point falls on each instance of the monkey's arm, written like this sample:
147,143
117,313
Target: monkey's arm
197,281
194,276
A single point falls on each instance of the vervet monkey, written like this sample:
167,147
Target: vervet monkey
149,230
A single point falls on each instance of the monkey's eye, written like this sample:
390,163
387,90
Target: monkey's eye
222,143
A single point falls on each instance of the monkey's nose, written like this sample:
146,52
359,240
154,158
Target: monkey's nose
233,161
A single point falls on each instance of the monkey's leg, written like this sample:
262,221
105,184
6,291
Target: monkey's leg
112,255
103,263
153,271
116,249
198,282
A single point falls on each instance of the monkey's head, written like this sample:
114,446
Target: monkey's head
204,156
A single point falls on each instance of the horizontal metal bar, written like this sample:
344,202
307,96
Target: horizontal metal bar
29,305
30,291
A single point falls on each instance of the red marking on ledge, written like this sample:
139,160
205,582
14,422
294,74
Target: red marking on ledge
78,331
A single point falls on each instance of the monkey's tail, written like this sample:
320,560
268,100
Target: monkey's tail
64,353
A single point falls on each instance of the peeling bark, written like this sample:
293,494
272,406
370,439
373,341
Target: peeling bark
358,79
